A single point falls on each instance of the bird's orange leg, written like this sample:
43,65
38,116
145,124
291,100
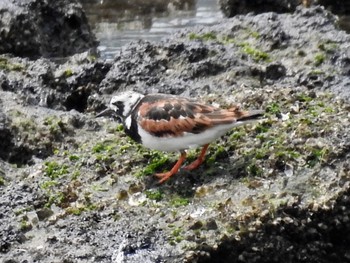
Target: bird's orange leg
165,176
199,160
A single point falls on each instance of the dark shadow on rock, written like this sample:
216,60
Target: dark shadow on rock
234,7
184,182
292,235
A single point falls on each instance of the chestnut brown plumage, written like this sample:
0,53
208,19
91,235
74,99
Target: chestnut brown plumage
172,123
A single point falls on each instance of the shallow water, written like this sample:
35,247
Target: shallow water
116,27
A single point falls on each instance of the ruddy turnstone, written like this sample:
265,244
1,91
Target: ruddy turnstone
172,123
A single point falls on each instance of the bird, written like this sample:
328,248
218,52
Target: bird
173,123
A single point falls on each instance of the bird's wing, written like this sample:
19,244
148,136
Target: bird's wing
174,116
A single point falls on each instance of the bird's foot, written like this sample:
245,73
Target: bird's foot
164,176
194,165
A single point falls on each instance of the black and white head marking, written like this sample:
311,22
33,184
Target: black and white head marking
124,103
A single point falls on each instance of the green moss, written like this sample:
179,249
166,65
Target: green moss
25,225
254,53
319,59
204,37
157,161
254,170
54,170
48,184
317,72
5,64
176,232
75,174
261,153
273,108
120,128
2,180
287,154
74,210
156,195
328,47
55,126
247,48
49,120
291,141
68,72
228,40
77,211
105,146
22,210
317,156
176,236
116,217
91,58
99,147
178,201
255,34
220,151
237,134
303,97
262,127
99,188
28,125
73,158
54,198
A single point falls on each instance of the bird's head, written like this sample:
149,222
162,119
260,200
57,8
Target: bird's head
122,104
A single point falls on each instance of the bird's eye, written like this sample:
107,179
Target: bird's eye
117,103
118,107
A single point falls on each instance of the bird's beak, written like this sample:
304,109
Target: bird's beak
106,113
109,113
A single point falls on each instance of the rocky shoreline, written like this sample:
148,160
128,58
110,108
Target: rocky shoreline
74,188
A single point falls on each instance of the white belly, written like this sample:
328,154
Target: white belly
188,140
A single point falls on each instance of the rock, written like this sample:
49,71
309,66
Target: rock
234,7
231,8
74,187
6,137
37,28
65,86
275,71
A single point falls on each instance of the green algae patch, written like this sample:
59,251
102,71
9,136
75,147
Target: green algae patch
156,162
2,180
55,170
319,59
153,194
254,53
210,36
246,47
6,64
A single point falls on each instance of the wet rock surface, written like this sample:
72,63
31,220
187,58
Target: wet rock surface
231,8
44,28
74,188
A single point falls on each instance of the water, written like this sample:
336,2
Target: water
117,27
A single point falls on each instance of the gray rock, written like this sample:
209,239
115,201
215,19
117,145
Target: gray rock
234,7
35,28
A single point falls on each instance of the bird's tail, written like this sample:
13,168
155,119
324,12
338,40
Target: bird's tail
252,115
246,117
